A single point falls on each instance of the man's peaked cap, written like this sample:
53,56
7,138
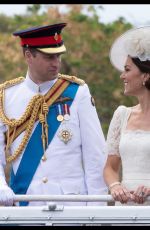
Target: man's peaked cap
47,39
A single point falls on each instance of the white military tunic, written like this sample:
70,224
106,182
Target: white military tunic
72,168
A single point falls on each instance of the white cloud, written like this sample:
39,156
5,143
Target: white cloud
11,9
137,14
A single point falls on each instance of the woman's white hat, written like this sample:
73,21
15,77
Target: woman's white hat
135,43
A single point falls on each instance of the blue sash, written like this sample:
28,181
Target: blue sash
34,149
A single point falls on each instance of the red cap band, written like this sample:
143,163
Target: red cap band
50,40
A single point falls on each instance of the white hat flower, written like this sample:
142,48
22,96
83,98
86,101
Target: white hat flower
135,43
138,45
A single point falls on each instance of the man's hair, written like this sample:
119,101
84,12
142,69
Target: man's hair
33,51
144,67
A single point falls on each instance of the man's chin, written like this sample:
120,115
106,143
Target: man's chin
53,73
52,77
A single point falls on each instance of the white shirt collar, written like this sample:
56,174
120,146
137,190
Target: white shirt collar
42,88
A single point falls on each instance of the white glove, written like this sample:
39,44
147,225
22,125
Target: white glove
6,195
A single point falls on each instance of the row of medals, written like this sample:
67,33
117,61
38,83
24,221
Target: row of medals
63,116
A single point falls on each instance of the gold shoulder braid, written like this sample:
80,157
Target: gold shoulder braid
37,108
71,79
12,82
31,111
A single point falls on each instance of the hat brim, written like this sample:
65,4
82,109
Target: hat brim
118,54
54,50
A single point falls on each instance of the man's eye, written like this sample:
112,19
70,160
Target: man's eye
47,57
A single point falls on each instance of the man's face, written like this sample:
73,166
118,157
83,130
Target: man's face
44,67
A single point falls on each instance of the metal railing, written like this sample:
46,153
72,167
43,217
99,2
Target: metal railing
52,214
72,198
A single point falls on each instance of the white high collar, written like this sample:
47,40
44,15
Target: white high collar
42,88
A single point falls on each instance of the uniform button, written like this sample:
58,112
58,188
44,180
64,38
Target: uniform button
44,158
44,179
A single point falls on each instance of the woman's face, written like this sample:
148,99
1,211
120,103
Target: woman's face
132,78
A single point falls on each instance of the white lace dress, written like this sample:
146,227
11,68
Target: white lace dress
134,149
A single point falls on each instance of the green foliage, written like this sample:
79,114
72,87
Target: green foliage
88,42
79,17
5,24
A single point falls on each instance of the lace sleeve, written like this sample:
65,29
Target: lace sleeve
114,131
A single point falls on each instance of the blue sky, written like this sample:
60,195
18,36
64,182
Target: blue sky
137,14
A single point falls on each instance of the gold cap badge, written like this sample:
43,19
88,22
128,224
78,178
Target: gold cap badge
56,36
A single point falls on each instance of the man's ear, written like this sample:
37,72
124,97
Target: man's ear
28,54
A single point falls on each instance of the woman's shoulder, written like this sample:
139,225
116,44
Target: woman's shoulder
122,111
122,108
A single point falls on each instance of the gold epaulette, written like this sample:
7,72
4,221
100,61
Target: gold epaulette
71,79
11,82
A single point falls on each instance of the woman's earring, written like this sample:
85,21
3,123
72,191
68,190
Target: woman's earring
143,83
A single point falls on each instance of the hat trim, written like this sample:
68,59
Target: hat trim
44,46
55,50
41,40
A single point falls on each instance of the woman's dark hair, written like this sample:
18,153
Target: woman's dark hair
144,67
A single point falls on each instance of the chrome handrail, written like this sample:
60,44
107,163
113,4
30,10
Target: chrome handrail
72,198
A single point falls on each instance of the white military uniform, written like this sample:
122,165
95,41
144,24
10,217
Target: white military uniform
72,168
